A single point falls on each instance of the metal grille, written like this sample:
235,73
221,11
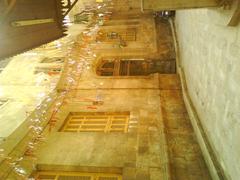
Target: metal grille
127,35
44,175
97,122
118,35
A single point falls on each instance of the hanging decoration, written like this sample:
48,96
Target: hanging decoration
79,55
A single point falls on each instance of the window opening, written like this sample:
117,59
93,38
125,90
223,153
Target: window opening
97,122
47,175
117,35
135,67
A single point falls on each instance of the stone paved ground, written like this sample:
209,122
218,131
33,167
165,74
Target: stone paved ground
210,56
185,157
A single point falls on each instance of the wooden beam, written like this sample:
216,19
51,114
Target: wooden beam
27,25
70,7
235,19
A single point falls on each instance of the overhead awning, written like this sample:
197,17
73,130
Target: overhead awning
26,24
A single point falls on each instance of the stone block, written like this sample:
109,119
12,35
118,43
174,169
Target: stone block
129,173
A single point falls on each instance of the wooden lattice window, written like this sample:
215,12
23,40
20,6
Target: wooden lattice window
46,175
97,122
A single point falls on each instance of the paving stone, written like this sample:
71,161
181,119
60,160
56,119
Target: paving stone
184,151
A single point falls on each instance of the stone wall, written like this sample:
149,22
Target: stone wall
209,55
140,153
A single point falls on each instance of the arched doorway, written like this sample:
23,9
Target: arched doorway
134,67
